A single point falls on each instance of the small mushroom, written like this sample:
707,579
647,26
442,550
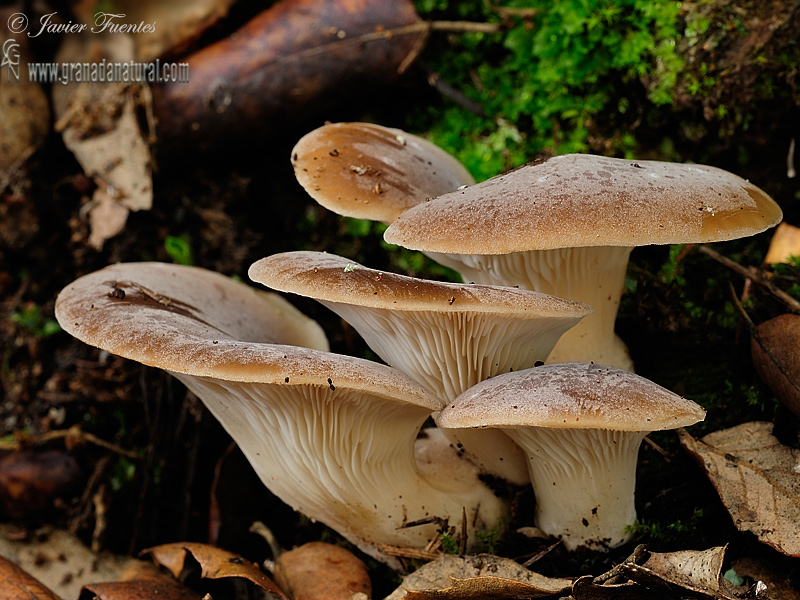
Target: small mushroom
330,435
566,226
447,336
581,426
372,172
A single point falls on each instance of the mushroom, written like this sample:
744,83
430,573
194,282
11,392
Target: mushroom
330,435
372,172
566,226
447,336
581,426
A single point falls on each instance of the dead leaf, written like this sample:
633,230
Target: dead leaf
758,480
775,348
100,126
61,562
143,582
30,481
785,243
16,584
293,53
781,577
178,23
694,571
464,572
215,563
24,111
319,571
586,589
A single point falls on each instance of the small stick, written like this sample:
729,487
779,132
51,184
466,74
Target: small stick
616,574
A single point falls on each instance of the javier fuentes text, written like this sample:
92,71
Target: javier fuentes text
103,22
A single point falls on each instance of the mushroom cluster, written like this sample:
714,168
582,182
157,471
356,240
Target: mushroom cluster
339,438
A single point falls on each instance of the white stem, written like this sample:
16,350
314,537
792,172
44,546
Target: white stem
584,481
595,275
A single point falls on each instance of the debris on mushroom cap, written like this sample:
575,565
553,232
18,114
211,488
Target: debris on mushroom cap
585,200
372,172
332,278
571,395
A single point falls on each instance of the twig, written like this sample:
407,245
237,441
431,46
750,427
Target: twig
265,532
402,552
72,435
616,574
657,448
790,302
539,555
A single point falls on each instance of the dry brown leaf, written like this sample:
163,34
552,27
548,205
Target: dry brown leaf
178,23
320,571
293,53
16,584
758,480
215,563
141,582
785,243
586,589
99,125
481,588
24,111
61,562
780,577
441,574
697,571
30,481
775,348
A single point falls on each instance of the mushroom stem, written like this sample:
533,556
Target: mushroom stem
592,274
584,481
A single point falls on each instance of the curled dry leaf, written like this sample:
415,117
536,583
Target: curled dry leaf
320,571
757,479
775,348
142,582
293,53
215,563
479,575
16,584
785,243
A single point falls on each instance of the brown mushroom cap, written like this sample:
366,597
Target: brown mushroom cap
571,395
372,172
585,200
331,278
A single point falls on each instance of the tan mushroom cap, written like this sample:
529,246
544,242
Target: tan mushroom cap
332,278
578,200
372,172
571,395
196,322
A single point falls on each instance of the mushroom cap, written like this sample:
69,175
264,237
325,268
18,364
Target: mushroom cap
578,200
372,172
571,395
332,278
196,322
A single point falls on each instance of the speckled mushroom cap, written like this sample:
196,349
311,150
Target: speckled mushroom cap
183,319
372,172
332,278
577,200
571,395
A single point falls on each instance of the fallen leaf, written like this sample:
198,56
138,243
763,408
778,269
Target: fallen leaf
61,562
775,347
143,582
24,111
780,576
214,562
785,243
320,571
100,125
293,53
178,23
586,589
465,573
757,478
16,584
30,481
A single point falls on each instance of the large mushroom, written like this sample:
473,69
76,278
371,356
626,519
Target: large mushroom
566,226
368,171
581,426
447,336
330,435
